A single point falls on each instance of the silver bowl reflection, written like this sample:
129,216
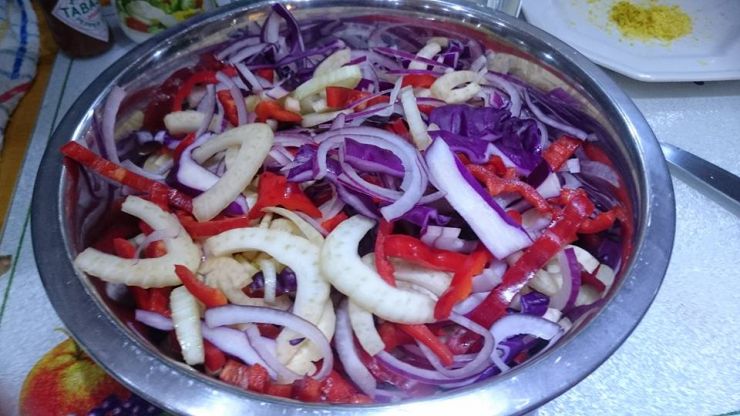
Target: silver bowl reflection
100,326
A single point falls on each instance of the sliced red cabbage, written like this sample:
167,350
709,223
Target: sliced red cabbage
534,303
496,230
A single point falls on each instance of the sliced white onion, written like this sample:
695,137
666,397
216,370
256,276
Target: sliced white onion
234,342
154,320
552,122
517,324
490,277
267,352
232,314
594,169
110,110
347,353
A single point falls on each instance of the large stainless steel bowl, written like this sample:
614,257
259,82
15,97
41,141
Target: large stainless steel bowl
178,388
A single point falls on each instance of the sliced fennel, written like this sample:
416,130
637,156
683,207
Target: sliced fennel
155,272
186,319
341,264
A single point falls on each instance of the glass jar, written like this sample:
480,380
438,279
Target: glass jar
141,19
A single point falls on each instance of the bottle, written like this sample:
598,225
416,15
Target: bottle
78,26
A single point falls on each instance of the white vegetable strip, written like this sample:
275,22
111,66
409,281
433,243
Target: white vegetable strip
302,361
307,229
413,117
444,86
186,320
155,272
232,314
515,324
347,353
270,277
363,326
295,252
346,76
428,52
110,110
341,264
234,342
500,237
333,62
231,277
181,122
434,281
260,344
255,141
585,259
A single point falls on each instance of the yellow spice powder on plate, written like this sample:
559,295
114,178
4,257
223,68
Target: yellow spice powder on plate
651,21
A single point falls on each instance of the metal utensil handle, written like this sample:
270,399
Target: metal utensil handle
718,184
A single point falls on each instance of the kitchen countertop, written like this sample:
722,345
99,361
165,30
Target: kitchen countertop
681,359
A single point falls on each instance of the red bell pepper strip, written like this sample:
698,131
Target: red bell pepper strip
332,222
215,359
591,280
382,264
307,389
280,390
156,299
335,389
201,77
210,296
155,249
497,185
116,173
265,73
253,377
160,196
184,144
599,223
398,126
422,334
230,112
210,228
415,251
392,336
124,248
426,108
274,190
339,97
272,110
462,283
560,151
418,81
560,233
515,215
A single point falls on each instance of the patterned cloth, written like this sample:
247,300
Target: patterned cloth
19,52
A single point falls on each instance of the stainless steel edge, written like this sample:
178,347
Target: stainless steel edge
183,390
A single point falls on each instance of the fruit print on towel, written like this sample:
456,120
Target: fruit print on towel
66,381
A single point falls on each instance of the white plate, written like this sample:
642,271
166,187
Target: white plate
710,53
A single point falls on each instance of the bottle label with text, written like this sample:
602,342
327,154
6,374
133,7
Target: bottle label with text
83,16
